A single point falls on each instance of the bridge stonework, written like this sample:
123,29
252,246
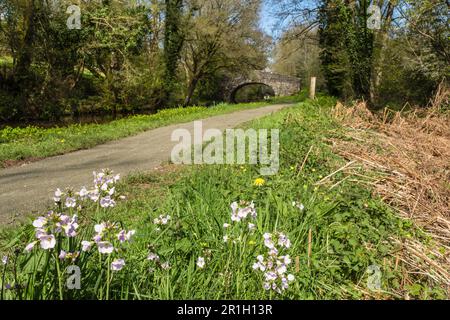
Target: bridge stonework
282,85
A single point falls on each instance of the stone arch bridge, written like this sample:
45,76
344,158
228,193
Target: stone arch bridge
281,85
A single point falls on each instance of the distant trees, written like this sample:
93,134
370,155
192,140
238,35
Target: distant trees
425,36
152,54
55,69
299,56
174,34
403,57
222,36
347,47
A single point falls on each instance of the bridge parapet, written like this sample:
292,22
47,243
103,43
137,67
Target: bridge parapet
282,85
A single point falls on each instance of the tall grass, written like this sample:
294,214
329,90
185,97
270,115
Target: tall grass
335,235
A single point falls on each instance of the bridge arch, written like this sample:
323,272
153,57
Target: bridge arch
232,97
281,85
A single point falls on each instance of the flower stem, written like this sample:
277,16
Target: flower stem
3,282
108,280
59,278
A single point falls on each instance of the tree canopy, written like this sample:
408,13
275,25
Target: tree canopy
122,55
382,51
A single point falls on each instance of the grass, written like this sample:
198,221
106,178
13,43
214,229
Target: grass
342,230
301,96
18,144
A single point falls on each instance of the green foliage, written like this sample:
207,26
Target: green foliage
346,48
350,229
34,142
123,57
297,53
402,85
222,41
418,57
403,60
174,34
57,71
301,96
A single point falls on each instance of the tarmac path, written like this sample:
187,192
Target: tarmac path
29,188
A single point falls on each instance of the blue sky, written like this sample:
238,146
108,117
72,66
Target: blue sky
267,21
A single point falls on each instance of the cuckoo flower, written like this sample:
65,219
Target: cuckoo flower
162,220
105,247
275,266
47,226
54,223
57,195
40,222
104,235
107,202
62,255
108,237
153,257
124,236
30,246
165,265
47,241
117,264
298,205
69,225
84,193
242,210
70,202
86,245
94,195
104,188
201,262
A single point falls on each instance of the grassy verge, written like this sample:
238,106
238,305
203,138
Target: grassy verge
301,96
336,231
18,144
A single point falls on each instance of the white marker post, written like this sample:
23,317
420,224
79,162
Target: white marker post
312,88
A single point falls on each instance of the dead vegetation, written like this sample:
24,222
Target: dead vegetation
406,160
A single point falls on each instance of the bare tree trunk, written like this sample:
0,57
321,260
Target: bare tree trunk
22,63
379,45
24,58
190,92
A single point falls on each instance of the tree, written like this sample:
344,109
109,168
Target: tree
222,35
354,57
50,60
417,53
298,56
114,37
427,38
380,42
174,34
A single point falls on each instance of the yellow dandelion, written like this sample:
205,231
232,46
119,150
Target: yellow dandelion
259,182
